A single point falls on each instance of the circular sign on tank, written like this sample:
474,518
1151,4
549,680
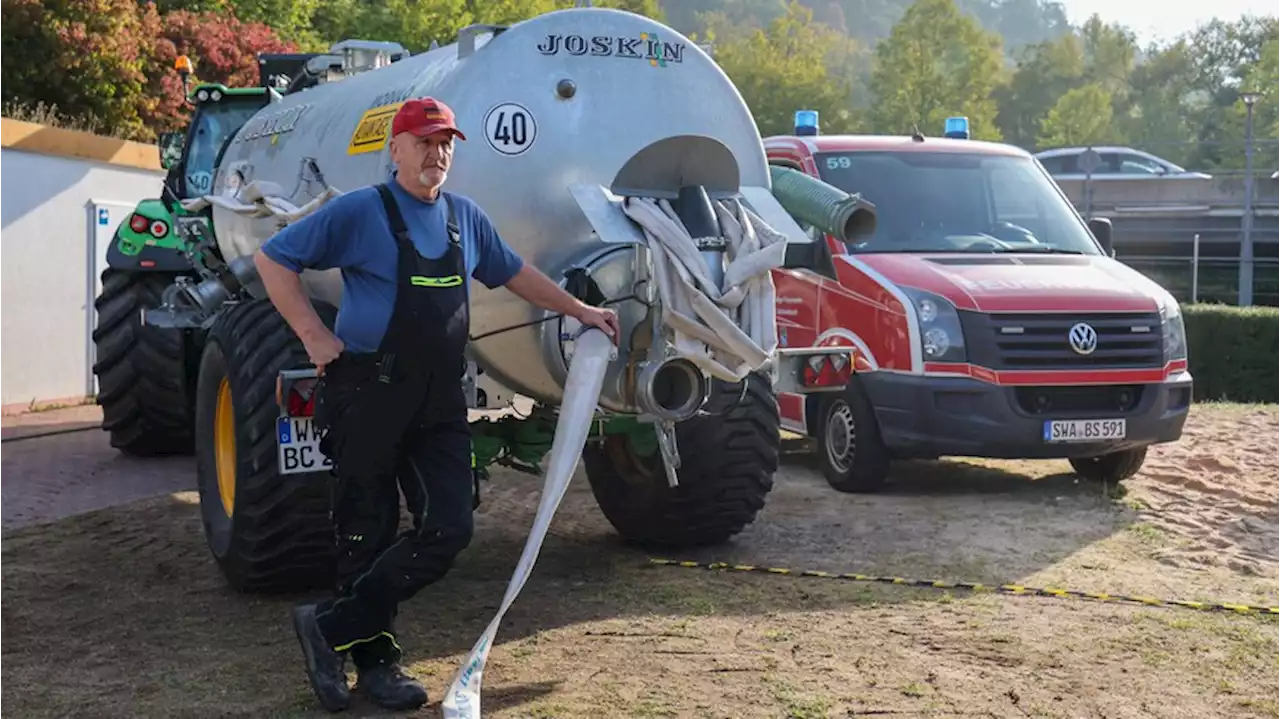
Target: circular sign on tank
510,129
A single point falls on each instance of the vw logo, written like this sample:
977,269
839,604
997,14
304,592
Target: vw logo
1083,338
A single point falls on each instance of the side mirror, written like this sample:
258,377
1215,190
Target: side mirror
1101,229
170,144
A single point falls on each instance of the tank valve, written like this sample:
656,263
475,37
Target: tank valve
671,390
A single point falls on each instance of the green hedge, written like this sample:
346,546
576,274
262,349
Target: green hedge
1233,352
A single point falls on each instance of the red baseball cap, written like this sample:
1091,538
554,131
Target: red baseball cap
424,116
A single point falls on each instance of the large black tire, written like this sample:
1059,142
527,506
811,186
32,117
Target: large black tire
853,456
145,374
1114,467
727,468
276,535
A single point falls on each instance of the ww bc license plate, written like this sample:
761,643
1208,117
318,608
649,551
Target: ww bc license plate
299,443
1083,430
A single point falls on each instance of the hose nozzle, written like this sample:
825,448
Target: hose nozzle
671,390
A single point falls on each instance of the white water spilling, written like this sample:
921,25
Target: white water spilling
592,353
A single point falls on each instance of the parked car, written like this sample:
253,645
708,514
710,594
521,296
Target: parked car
1118,163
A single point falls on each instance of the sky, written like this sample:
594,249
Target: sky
1158,20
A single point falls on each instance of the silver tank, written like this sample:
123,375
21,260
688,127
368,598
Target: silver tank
557,110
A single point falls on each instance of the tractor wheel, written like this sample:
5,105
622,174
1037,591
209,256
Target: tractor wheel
268,531
144,381
727,466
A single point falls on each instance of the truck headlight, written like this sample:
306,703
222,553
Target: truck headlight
1175,333
941,339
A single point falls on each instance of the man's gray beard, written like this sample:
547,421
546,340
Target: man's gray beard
424,177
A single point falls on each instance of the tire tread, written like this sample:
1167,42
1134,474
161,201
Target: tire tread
728,463
282,534
144,389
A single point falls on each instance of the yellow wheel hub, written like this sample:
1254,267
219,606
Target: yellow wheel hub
224,446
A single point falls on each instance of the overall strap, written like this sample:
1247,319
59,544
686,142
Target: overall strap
398,228
455,234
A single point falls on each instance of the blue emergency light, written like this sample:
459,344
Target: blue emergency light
806,122
957,128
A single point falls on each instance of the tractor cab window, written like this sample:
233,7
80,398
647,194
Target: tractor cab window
957,202
212,125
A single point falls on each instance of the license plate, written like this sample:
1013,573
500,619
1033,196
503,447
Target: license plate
299,443
1083,430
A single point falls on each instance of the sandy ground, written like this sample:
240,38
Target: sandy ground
120,612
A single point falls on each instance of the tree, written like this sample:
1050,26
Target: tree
648,8
1109,54
1226,55
1163,103
1261,79
291,20
936,63
692,16
1044,72
87,58
784,68
1020,22
1080,117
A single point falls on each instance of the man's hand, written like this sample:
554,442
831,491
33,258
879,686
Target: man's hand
285,290
322,348
530,284
599,317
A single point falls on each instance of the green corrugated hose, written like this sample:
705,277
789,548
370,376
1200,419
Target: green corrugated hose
828,208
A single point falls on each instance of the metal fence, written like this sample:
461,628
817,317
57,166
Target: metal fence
1219,246
1212,280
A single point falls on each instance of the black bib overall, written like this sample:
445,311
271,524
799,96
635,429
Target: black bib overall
400,413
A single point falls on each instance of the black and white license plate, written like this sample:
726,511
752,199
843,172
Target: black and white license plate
299,446
1083,430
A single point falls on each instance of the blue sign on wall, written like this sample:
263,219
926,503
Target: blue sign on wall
103,216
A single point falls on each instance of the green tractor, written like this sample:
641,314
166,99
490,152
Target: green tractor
147,373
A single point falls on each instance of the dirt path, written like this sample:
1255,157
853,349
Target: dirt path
120,612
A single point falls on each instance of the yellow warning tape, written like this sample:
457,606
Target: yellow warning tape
975,586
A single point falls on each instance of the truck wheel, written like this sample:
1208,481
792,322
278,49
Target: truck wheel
727,467
144,385
853,457
1114,467
268,531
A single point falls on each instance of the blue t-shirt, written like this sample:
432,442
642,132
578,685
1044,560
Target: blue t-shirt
352,232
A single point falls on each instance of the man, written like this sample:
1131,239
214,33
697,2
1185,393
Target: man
390,393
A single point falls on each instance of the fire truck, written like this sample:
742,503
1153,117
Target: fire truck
981,317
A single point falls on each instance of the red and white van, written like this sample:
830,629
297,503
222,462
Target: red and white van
983,317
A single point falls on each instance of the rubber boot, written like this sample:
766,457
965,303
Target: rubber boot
325,667
388,687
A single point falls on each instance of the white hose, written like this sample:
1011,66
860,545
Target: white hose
262,199
728,331
592,354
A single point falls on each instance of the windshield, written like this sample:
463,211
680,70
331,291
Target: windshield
214,123
957,202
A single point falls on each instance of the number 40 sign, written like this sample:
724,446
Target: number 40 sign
510,129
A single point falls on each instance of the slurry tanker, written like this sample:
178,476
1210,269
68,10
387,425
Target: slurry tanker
612,153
